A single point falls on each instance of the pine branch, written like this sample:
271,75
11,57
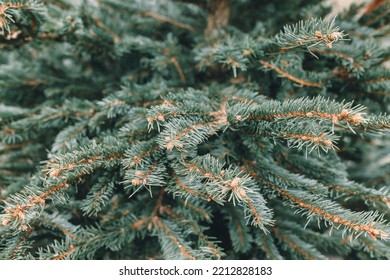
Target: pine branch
319,108
163,18
9,10
309,34
370,196
333,177
170,244
326,244
142,152
297,80
23,206
296,245
17,246
375,125
203,239
58,250
267,245
240,234
370,223
373,249
183,187
230,185
98,197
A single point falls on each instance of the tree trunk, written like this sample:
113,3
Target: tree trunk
219,13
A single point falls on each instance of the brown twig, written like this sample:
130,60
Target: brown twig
166,19
101,24
289,76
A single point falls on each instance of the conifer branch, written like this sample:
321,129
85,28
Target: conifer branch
17,211
197,209
318,108
240,234
54,170
179,70
332,177
238,187
188,189
166,19
316,139
297,136
369,223
310,33
101,24
325,243
97,198
62,229
215,251
268,246
6,16
182,248
64,138
365,194
378,80
140,153
65,254
369,229
372,248
299,81
379,124
293,242
186,133
18,246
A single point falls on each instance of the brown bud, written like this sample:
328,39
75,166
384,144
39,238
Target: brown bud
318,34
54,173
136,182
160,117
328,143
5,221
241,193
23,227
235,182
170,146
309,114
356,119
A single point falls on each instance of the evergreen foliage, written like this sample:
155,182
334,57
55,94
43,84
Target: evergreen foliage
180,129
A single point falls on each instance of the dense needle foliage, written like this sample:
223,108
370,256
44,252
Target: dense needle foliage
181,129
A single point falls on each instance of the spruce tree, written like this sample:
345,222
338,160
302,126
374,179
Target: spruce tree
181,129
